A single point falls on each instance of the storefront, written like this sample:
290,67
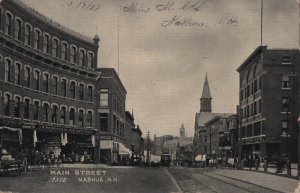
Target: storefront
11,137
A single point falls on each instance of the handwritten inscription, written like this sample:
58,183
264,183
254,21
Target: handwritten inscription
180,18
84,5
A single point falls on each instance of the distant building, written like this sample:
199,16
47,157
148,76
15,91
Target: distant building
269,102
182,131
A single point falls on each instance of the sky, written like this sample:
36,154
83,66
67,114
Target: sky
162,49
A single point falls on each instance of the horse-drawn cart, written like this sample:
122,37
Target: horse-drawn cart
11,166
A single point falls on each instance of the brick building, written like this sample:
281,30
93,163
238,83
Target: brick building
110,115
269,102
47,81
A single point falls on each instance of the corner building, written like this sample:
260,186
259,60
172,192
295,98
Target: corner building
47,81
269,103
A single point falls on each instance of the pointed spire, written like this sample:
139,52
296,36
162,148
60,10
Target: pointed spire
182,126
206,91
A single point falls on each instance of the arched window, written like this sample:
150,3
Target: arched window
46,44
7,101
54,114
81,92
64,87
36,110
89,119
81,58
27,35
63,115
72,116
72,90
73,54
80,118
55,48
26,108
27,77
36,76
18,74
18,27
17,106
8,24
55,82
37,39
90,60
90,94
64,51
1,12
7,76
46,82
46,112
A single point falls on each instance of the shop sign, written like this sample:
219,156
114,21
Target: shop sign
105,137
11,123
59,129
261,139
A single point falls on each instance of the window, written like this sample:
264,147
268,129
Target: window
36,76
27,35
205,138
285,105
37,39
17,106
205,149
284,125
46,112
259,106
72,117
64,51
36,110
257,129
90,94
1,12
26,108
55,48
46,44
18,74
255,86
73,56
241,94
8,24
64,87
285,82
248,90
80,118
260,83
255,108
7,102
54,114
18,28
103,97
46,82
7,75
103,121
55,82
72,90
90,60
286,60
81,58
63,115
81,92
249,131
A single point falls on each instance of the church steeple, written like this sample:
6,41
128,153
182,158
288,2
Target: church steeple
182,131
205,100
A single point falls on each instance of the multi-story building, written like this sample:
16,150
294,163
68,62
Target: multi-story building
269,102
217,138
110,114
47,81
138,143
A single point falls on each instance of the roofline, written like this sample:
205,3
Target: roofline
217,117
115,74
54,24
245,63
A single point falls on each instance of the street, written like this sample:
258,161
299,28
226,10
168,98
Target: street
139,180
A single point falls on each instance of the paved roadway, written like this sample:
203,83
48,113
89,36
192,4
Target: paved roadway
125,180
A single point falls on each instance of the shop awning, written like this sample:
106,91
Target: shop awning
18,130
123,149
200,157
106,144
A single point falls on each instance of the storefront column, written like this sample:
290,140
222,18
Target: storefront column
66,138
34,138
93,140
62,140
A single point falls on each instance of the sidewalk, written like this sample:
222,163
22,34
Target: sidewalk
78,165
275,182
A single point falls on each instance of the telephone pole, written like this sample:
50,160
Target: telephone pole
148,147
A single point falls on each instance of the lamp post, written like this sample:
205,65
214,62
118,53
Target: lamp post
298,165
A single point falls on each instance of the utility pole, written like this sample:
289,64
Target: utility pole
148,147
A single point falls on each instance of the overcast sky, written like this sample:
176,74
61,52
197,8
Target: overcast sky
163,60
